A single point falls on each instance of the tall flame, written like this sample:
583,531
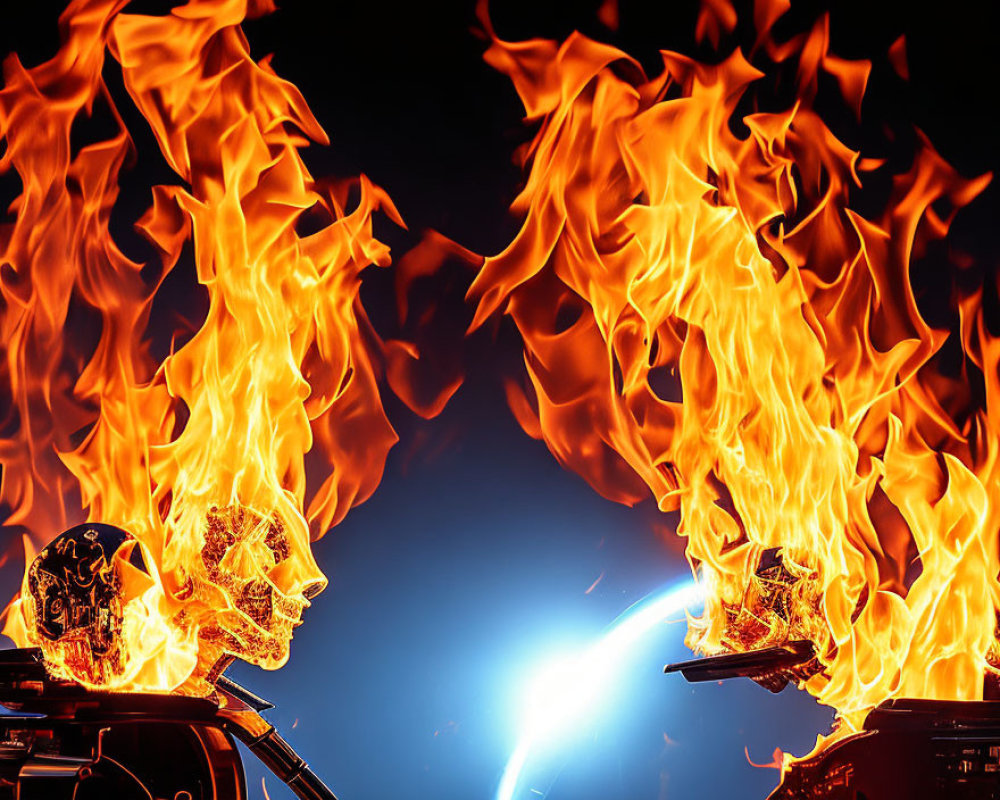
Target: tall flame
201,456
707,317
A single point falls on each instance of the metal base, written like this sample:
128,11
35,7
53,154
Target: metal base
913,749
60,741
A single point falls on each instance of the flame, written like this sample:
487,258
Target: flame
707,316
776,762
199,454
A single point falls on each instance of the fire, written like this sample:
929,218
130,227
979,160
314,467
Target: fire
707,316
776,762
200,454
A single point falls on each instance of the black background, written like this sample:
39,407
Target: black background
403,92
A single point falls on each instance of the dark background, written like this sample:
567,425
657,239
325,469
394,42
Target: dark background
469,565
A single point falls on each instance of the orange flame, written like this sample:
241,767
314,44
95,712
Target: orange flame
202,455
705,317
776,762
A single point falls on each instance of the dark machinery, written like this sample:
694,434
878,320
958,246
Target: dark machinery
908,749
914,749
59,740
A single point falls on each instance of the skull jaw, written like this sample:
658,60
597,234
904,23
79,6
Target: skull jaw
241,551
73,657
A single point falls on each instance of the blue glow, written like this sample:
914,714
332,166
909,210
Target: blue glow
569,690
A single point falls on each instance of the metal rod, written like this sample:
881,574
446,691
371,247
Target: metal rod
246,724
752,664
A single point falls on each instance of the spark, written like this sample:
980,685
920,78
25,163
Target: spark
594,584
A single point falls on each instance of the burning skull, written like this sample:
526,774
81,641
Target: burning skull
249,560
78,604
242,598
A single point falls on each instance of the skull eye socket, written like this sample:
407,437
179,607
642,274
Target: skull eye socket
219,538
277,541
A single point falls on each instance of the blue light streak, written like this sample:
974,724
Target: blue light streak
568,691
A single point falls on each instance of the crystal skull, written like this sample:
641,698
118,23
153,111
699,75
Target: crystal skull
76,593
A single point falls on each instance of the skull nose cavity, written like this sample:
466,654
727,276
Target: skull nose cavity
313,588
